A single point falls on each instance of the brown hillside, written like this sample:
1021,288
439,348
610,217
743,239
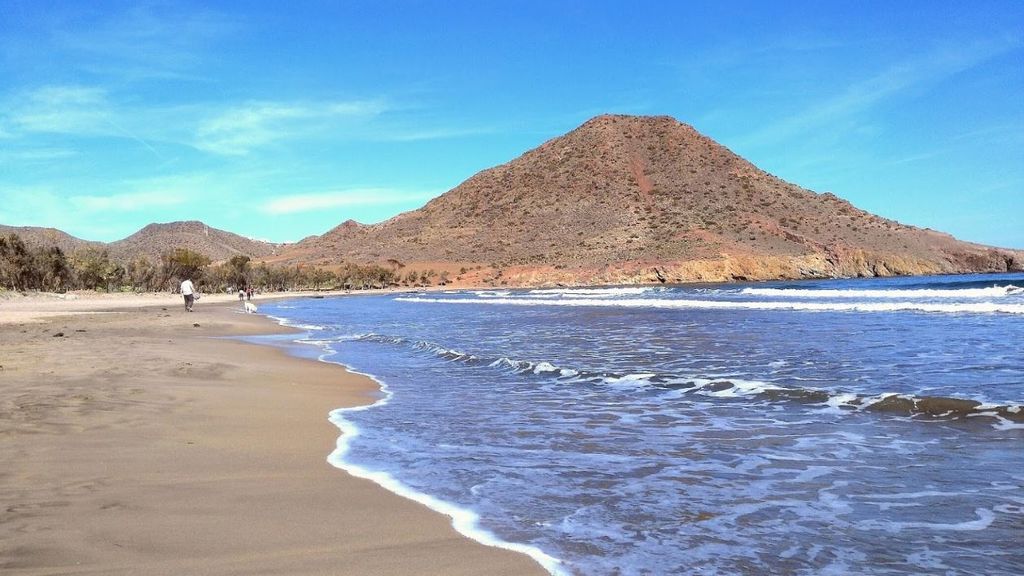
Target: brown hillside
157,239
638,199
153,241
36,238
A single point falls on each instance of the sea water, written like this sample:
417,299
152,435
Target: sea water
826,427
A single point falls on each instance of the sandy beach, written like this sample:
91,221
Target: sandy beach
133,440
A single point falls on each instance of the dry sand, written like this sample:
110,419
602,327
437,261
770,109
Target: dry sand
17,307
136,443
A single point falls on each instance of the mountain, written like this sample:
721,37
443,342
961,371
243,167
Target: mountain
641,199
156,239
621,199
153,241
36,237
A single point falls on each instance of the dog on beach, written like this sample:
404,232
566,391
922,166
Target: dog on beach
250,308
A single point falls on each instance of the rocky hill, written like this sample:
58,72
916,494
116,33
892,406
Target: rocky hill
643,199
35,238
156,239
153,241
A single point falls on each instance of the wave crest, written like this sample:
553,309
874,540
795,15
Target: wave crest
960,293
689,304
679,386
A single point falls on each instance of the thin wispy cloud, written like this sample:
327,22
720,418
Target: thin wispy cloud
1008,132
358,197
865,94
220,188
217,128
148,40
48,207
77,111
35,205
95,214
130,202
239,130
400,135
61,109
28,155
244,109
740,53
923,156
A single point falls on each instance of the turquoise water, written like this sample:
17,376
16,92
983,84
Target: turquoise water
857,426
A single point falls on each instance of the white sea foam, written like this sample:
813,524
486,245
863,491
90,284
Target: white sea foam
914,495
492,293
292,324
722,385
837,401
629,379
1004,424
590,292
543,367
465,521
991,292
744,388
685,304
625,452
983,521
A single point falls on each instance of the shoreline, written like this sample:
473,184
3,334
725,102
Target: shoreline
136,441
48,304
463,520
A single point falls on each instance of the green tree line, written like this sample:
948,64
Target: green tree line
50,269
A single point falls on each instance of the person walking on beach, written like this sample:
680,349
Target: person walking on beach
188,290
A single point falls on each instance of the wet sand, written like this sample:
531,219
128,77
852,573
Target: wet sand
138,443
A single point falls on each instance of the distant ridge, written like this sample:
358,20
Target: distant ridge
37,237
618,200
626,199
156,239
153,241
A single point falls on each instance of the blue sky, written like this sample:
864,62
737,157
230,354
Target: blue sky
280,120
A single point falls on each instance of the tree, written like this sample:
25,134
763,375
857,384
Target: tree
92,266
426,275
17,264
142,274
55,272
238,270
183,263
261,276
318,277
386,277
115,276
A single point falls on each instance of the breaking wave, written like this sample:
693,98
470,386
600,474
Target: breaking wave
645,441
592,292
689,304
961,293
613,292
678,386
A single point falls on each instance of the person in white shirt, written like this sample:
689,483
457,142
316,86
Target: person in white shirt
188,291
